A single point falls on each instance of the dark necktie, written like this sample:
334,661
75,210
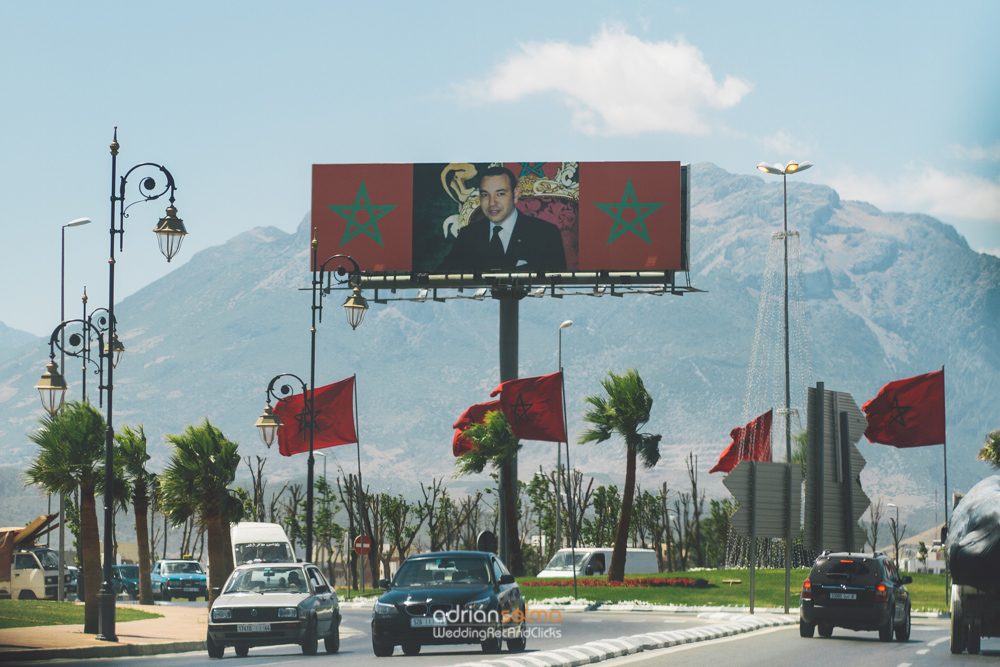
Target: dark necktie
496,248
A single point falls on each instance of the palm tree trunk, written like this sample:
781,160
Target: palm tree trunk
218,562
90,558
513,540
141,504
616,571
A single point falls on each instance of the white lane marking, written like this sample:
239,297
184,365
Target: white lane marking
903,664
647,655
923,651
674,620
938,641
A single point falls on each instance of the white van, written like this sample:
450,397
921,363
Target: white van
594,561
267,542
29,571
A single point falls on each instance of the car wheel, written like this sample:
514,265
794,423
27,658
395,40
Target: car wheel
957,632
806,629
25,594
332,643
214,650
242,651
824,630
885,632
192,599
164,595
903,631
382,650
517,643
311,642
411,648
494,642
973,636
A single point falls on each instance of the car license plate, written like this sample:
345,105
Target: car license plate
843,596
190,589
253,627
428,622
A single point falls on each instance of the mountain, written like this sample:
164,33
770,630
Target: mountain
15,337
885,296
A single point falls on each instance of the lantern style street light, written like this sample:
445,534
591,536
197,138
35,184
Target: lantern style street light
784,171
355,307
51,387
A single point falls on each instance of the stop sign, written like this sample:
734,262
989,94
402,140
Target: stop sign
362,545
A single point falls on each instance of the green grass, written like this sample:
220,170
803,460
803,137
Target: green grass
927,592
27,613
367,592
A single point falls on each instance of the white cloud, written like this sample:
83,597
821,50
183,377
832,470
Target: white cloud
990,153
617,84
928,190
783,143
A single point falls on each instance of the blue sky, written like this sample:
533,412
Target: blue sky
895,103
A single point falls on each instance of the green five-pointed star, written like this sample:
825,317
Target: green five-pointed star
617,211
374,212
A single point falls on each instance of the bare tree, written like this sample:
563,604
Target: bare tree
876,510
898,532
259,484
579,500
667,532
697,507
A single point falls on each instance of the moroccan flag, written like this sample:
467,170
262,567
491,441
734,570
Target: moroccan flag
334,419
750,443
534,407
475,414
908,413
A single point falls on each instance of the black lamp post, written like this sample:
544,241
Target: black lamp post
355,306
52,386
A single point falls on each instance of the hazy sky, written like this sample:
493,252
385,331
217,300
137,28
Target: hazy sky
896,103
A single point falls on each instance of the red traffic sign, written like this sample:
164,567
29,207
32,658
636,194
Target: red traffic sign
362,545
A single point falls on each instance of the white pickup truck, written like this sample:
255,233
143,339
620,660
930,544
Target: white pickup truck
29,571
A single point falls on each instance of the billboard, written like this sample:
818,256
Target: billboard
548,220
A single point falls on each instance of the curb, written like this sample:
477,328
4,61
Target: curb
606,649
106,651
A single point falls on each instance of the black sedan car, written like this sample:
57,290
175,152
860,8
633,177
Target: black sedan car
855,591
449,597
263,604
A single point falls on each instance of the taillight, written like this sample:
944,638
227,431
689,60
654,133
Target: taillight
881,594
807,592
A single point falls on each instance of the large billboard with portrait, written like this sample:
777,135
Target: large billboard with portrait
472,219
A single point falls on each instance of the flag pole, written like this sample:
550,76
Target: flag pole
944,450
361,523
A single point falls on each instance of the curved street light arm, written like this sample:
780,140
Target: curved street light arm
285,390
78,344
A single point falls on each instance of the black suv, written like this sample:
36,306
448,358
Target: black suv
855,591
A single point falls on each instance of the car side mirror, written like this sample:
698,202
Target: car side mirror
322,588
383,584
216,591
589,571
507,579
906,580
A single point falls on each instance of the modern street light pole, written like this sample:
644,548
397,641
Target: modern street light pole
61,591
790,168
355,306
559,476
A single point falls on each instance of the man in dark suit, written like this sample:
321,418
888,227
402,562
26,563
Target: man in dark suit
506,240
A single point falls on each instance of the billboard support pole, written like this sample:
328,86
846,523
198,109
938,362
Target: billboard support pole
509,298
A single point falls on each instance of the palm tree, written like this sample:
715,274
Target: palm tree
131,454
990,453
496,444
196,484
72,457
624,411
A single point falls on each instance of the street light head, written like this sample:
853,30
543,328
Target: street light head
268,423
52,388
566,325
797,166
170,233
768,169
114,349
356,306
78,222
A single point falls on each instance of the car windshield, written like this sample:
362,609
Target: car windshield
858,571
129,571
49,559
563,560
186,567
272,552
289,579
442,571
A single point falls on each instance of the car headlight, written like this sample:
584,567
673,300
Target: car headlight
288,612
221,614
477,605
383,609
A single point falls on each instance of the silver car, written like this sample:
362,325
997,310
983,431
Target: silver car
264,604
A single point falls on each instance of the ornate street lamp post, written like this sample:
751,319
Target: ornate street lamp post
355,307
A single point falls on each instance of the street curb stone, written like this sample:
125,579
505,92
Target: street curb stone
107,651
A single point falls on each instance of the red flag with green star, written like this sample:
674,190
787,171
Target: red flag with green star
365,211
334,419
630,215
534,407
908,413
